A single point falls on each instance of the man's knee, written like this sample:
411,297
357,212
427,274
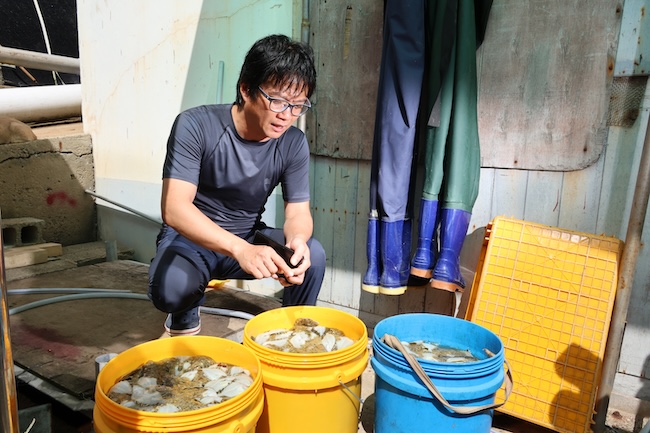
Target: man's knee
175,294
175,284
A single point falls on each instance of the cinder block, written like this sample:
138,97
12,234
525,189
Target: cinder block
22,231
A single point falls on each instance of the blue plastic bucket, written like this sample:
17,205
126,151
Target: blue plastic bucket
402,402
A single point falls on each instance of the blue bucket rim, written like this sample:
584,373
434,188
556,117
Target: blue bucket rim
477,368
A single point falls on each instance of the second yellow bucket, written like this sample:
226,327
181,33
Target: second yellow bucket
310,392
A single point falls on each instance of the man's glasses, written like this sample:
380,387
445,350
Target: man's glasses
278,105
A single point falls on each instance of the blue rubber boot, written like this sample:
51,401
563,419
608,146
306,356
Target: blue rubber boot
395,254
453,229
371,279
427,248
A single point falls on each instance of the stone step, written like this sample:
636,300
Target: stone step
73,256
17,257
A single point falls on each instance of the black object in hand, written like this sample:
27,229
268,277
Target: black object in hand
285,252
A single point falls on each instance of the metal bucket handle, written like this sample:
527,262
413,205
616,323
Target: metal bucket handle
394,342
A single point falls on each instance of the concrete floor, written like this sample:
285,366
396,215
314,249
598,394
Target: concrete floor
55,345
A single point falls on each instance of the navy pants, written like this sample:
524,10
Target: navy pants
181,271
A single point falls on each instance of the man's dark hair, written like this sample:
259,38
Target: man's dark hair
278,60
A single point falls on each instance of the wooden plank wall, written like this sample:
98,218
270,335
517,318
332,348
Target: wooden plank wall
545,71
596,198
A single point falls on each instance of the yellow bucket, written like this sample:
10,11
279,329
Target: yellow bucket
311,392
237,415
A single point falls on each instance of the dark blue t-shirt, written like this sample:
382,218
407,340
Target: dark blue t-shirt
234,177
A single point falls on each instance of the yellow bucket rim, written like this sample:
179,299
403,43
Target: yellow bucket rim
286,316
157,350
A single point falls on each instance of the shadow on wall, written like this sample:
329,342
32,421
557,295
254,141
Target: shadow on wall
576,366
46,179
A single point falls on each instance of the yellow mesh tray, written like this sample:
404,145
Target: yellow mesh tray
548,294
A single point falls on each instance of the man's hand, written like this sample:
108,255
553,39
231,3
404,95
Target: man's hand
262,261
301,252
298,227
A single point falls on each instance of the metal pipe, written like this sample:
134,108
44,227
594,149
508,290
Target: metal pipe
38,103
42,61
624,286
61,290
111,250
76,297
98,294
8,398
133,211
229,313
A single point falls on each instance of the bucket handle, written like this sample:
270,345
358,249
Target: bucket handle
361,400
394,342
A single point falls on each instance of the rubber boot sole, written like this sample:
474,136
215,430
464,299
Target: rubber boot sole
392,290
370,288
446,285
422,273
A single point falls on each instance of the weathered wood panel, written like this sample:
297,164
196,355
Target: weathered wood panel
346,37
482,211
546,70
362,300
323,204
543,197
543,101
344,229
619,174
509,193
580,201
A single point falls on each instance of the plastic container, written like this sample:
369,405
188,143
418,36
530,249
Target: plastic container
313,392
403,404
549,293
237,415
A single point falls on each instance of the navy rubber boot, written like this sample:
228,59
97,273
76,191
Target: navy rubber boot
395,254
453,229
371,279
427,248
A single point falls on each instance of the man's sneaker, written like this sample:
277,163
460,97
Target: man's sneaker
185,323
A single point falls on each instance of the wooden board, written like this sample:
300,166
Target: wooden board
27,255
18,258
347,40
545,71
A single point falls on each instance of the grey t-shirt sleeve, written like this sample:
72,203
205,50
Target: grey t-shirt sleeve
184,150
295,179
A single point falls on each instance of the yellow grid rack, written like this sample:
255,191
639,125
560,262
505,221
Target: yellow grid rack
548,294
